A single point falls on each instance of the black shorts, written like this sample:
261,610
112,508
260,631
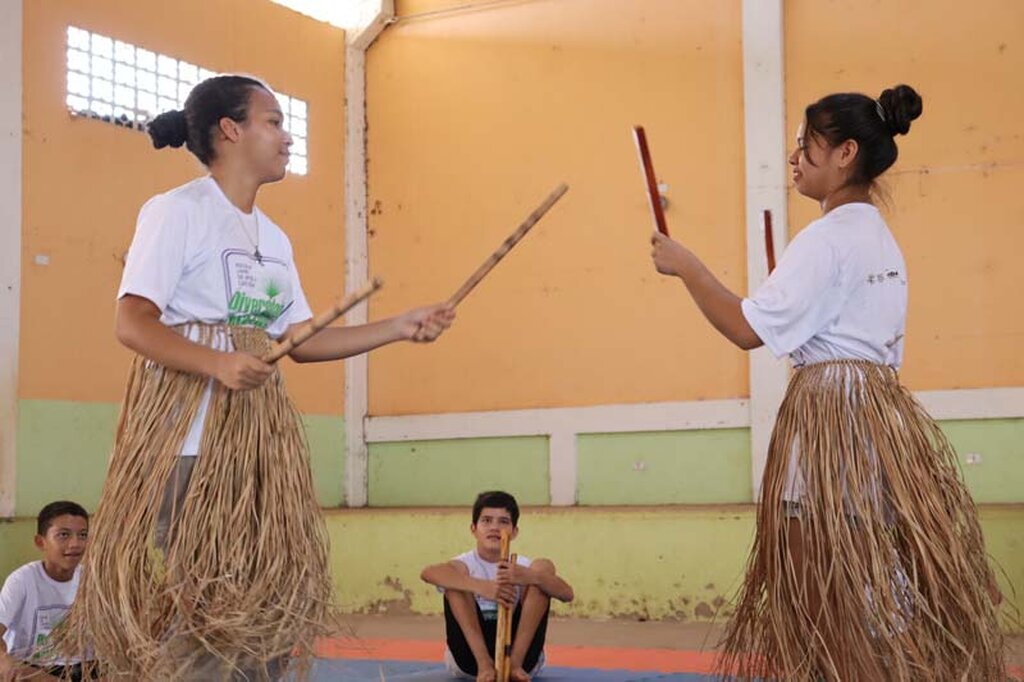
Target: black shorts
463,655
69,672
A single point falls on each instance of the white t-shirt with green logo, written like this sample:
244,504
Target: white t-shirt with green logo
31,605
193,256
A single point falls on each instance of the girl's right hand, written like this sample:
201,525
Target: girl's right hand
241,371
669,256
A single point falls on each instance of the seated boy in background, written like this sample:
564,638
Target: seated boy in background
36,597
475,582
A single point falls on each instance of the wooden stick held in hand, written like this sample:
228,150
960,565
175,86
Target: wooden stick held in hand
503,638
507,245
653,196
769,240
506,672
341,306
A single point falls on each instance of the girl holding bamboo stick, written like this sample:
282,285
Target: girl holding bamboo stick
210,462
868,562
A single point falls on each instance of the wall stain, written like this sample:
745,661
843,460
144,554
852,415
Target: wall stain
399,606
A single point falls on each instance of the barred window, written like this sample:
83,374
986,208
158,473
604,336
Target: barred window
128,85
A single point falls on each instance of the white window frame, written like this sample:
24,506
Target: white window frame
127,85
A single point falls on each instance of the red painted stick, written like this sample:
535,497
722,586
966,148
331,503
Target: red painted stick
652,183
769,240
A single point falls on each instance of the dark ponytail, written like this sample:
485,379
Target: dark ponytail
169,129
871,123
210,101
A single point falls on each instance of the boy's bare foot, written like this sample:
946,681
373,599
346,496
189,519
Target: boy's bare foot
519,675
486,675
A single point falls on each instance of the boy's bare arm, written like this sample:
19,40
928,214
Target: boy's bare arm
451,575
555,587
454,575
540,573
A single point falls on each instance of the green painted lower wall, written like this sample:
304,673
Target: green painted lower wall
999,475
63,452
677,563
326,436
16,546
667,467
452,472
64,448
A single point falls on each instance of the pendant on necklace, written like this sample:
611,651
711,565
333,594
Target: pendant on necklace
258,255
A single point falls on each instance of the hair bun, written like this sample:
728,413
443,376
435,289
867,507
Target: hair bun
901,105
169,129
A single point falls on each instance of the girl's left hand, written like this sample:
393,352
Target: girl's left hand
424,325
668,255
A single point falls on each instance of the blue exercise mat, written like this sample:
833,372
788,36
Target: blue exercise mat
402,671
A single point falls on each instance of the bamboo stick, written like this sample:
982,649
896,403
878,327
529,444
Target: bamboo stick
340,307
503,637
507,245
506,672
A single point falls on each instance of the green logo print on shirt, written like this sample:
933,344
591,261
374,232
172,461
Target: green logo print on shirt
247,311
47,620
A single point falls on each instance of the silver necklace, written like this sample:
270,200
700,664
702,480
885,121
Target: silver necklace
255,242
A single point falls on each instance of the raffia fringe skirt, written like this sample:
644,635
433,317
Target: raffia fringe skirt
244,578
894,581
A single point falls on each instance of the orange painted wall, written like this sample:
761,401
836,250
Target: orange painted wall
85,180
956,204
473,118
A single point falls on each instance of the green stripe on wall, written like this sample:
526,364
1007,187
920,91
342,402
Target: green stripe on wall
63,450
452,472
326,434
64,447
669,467
16,546
999,475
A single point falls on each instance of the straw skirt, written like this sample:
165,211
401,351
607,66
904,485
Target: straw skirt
241,578
868,562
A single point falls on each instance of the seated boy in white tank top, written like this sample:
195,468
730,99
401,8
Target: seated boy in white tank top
475,582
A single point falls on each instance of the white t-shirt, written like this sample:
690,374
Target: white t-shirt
31,605
193,257
485,570
839,292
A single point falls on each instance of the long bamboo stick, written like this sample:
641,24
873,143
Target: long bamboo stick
507,245
503,638
340,307
506,672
